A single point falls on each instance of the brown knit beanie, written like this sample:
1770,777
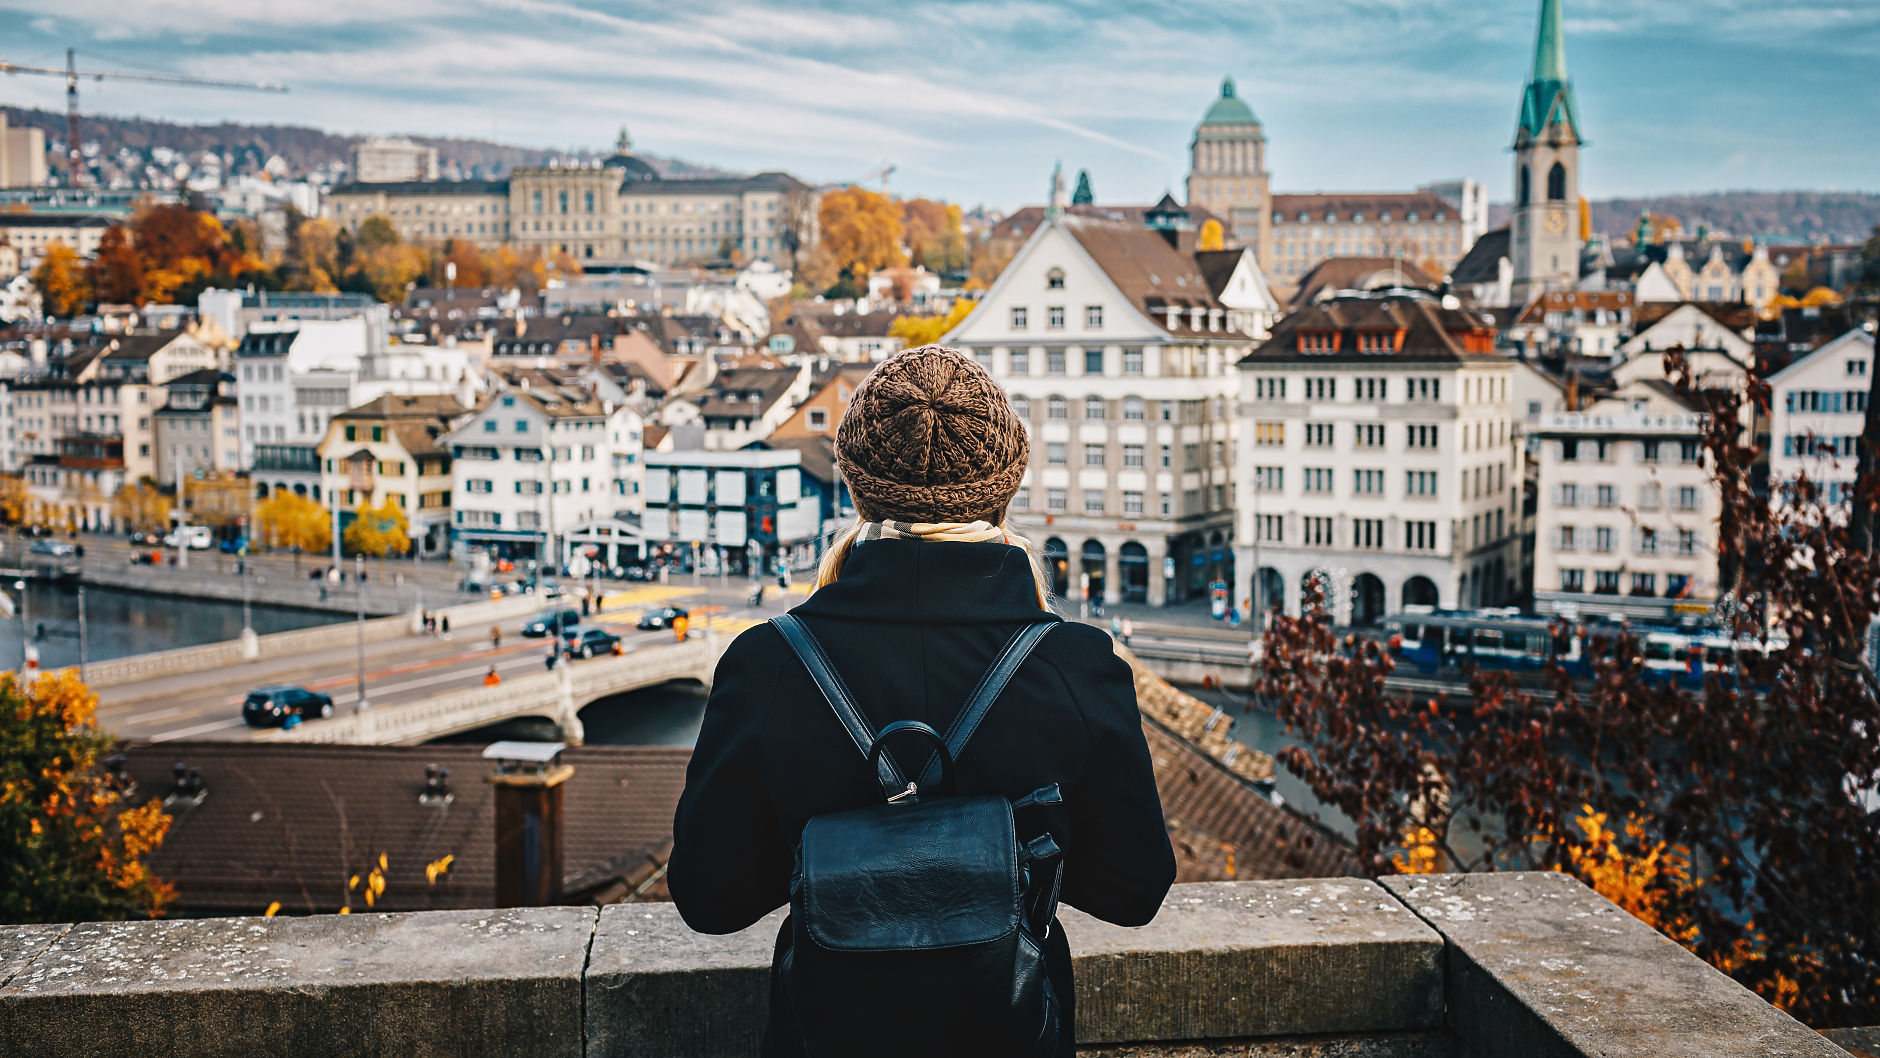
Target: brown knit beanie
930,437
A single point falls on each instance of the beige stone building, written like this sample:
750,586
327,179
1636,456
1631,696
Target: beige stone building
1416,227
609,214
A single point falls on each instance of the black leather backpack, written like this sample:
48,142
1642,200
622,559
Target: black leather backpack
915,922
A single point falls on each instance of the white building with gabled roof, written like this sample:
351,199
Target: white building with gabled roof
1118,354
1818,409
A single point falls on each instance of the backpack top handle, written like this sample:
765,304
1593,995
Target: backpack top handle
940,750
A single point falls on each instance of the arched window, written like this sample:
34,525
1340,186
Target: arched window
1054,279
1521,193
1557,183
1132,409
587,201
1056,408
1021,407
1094,410
561,198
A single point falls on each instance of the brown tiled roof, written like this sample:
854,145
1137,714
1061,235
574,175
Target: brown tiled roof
1150,273
401,405
856,324
141,346
1022,223
1430,331
294,821
770,383
1482,264
1361,273
1223,828
1732,314
1568,300
1217,267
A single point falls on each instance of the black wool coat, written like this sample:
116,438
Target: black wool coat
911,626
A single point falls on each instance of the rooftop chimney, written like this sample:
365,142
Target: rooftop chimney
528,781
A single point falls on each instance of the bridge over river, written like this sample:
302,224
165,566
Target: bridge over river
420,686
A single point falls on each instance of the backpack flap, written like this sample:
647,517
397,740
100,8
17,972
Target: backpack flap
916,874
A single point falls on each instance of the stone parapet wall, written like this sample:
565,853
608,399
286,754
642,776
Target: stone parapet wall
1503,965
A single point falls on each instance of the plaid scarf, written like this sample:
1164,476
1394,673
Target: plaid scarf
962,532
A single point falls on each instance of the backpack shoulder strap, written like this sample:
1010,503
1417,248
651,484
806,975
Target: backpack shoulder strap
836,693
991,684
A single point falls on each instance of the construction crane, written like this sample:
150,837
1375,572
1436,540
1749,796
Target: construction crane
73,74
882,173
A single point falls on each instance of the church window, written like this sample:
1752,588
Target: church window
1557,183
1521,195
1054,279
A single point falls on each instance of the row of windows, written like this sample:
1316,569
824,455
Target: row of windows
1828,401
1056,454
1364,482
1366,389
560,454
1054,317
1801,444
1607,581
1134,409
1417,437
1645,540
524,488
1095,502
1574,451
1055,361
587,202
1650,496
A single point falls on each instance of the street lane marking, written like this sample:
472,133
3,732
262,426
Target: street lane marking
199,729
161,714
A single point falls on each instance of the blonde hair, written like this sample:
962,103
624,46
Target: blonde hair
830,569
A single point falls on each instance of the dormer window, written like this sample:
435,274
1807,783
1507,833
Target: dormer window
731,398
1412,218
1384,216
1377,342
1054,279
1318,341
1357,218
1330,216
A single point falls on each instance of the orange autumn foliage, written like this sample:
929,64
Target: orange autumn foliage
72,846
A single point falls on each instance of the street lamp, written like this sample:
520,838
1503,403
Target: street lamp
359,582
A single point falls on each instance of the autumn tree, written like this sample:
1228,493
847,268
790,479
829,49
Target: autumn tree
141,506
934,234
62,282
378,531
286,519
926,330
376,231
1742,818
312,259
116,272
72,847
13,499
861,231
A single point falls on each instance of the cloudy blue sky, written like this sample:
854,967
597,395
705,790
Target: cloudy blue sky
974,101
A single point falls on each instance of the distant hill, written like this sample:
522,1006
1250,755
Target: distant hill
126,147
1781,216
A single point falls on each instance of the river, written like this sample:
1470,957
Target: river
121,623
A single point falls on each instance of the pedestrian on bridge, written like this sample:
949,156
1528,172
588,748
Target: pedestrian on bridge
553,656
929,593
496,637
492,679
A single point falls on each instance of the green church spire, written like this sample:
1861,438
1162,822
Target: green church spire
1550,50
1548,99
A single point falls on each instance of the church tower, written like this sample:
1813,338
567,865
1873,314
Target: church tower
1227,173
1545,244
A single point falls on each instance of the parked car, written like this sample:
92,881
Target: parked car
145,538
271,706
233,547
637,573
586,641
547,621
660,617
52,549
195,537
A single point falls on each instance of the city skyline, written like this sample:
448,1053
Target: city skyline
975,103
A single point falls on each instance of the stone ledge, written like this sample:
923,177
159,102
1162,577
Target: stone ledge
1540,965
430,983
20,945
1417,1043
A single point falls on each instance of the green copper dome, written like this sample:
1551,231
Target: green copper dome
1230,109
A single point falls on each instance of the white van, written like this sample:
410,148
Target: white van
194,537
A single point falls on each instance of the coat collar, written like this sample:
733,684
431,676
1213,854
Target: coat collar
930,582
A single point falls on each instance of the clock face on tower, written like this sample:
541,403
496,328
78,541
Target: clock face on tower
1556,221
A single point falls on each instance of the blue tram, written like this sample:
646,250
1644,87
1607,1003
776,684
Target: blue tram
1434,639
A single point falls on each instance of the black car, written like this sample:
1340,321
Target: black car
271,706
547,621
587,641
660,617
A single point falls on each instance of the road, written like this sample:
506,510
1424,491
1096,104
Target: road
208,705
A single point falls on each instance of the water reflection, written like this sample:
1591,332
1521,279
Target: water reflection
121,623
